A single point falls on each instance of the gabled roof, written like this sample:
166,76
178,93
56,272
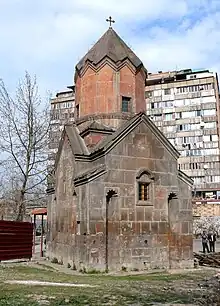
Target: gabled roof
185,178
89,175
126,128
112,46
96,126
77,143
81,152
39,211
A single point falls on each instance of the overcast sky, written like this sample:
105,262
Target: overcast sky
48,37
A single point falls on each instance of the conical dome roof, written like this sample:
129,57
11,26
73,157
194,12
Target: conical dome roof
112,46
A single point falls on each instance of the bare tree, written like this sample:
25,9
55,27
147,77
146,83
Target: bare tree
24,126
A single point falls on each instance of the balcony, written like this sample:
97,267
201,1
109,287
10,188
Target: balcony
211,105
154,111
209,118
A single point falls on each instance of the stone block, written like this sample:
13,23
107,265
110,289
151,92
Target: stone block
148,213
186,253
144,163
156,215
185,215
115,176
114,228
137,252
139,139
143,151
131,215
163,228
125,227
124,214
128,191
141,241
155,227
185,227
129,177
96,214
129,163
160,203
100,227
184,204
187,240
136,227
140,214
161,193
163,215
162,240
92,228
128,202
145,227
115,162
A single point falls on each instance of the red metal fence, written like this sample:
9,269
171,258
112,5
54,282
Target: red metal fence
16,240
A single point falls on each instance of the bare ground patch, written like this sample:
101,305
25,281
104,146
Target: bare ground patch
178,287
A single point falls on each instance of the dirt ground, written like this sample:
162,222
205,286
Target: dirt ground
182,287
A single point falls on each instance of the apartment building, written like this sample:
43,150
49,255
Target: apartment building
61,112
185,107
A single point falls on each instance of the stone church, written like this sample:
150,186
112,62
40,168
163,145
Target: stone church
118,200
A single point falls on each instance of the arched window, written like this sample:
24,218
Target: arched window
144,193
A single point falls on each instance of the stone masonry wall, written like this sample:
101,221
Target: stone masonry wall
62,210
140,236
181,228
102,91
157,234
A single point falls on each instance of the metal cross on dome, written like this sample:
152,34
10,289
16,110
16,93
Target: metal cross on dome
110,20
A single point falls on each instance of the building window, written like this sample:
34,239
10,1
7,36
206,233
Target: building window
178,115
168,116
168,104
209,112
66,116
167,91
56,105
148,94
125,105
143,191
207,86
157,117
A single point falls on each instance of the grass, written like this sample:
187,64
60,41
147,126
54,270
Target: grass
109,290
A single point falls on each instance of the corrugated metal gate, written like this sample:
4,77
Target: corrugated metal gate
16,240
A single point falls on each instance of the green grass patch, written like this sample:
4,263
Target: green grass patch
144,289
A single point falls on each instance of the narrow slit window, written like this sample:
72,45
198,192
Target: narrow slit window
143,191
77,111
125,105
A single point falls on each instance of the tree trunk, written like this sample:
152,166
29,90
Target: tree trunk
21,207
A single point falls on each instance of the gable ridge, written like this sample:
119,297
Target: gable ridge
125,129
185,178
